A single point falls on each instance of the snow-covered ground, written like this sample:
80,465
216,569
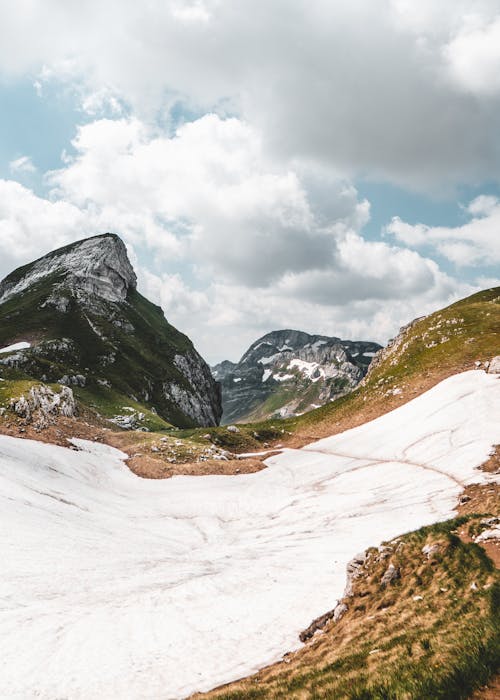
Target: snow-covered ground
117,587
23,345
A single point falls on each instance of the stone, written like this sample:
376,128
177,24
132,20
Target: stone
494,367
391,574
429,550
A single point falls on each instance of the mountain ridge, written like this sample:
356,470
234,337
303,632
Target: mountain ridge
285,372
88,327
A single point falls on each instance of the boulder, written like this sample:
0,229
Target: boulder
392,574
494,367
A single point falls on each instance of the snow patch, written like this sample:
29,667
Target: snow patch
23,345
283,377
311,370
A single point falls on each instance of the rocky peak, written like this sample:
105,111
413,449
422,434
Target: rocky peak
288,372
75,317
96,266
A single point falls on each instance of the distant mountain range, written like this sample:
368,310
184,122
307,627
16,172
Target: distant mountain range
288,372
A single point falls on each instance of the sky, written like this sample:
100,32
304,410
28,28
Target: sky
331,167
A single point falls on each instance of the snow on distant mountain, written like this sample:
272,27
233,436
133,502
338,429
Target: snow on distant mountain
288,372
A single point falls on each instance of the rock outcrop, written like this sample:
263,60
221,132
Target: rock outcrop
42,405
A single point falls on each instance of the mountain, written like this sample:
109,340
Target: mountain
288,372
75,318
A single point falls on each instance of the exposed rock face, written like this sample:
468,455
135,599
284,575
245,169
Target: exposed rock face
42,405
391,574
97,266
90,328
288,372
199,400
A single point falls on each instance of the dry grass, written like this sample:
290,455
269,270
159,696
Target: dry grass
433,633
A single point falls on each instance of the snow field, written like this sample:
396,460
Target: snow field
114,586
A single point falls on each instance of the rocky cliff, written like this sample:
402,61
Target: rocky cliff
288,372
75,317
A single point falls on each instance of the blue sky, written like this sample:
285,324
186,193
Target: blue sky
280,168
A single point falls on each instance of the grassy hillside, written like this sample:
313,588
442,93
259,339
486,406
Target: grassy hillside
128,345
434,632
444,343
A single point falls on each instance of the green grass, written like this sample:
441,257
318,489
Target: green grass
109,403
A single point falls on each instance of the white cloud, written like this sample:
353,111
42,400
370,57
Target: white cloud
473,56
387,88
20,165
31,225
484,205
235,318
210,193
264,243
476,242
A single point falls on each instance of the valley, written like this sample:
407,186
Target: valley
149,552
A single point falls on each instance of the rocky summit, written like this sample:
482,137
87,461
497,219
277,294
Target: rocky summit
75,318
288,372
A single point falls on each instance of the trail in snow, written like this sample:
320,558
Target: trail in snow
117,587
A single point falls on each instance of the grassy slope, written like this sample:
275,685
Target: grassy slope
433,633
438,346
144,359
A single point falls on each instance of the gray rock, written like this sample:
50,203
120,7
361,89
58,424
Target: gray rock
42,405
430,550
391,574
494,367
354,570
98,266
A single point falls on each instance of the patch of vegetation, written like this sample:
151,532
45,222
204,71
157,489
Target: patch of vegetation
108,403
434,632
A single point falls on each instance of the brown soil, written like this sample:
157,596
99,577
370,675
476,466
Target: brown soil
56,434
152,468
490,691
147,466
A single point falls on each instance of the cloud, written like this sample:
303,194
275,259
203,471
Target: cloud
473,56
386,89
476,242
24,164
210,194
368,270
31,225
229,241
233,318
